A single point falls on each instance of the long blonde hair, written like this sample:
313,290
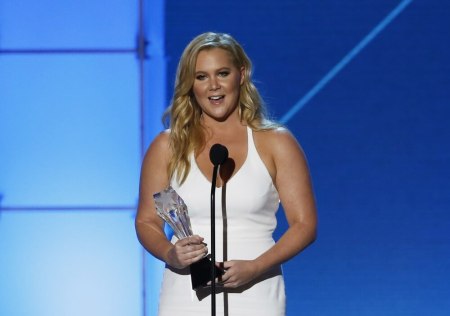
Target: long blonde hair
186,132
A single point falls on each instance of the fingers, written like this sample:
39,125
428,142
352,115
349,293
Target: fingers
191,250
227,264
187,251
237,273
195,239
191,240
197,254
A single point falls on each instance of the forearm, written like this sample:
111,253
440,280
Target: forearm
153,240
293,241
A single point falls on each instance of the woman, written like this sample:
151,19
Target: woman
215,101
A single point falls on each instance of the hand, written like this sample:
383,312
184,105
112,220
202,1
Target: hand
238,273
186,251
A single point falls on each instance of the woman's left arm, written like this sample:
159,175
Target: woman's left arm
289,169
293,182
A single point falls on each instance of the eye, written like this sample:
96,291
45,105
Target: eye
200,77
224,73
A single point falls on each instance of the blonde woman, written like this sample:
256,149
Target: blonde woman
215,101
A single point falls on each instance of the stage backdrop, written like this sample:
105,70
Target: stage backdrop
363,85
75,89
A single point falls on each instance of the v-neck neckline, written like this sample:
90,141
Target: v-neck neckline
238,171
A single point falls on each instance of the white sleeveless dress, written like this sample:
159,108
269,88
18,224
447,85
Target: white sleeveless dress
245,221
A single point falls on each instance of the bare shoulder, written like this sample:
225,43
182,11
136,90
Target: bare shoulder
276,141
157,157
277,147
281,153
159,147
161,141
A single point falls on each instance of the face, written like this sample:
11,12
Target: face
217,84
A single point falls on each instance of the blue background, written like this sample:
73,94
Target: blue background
363,85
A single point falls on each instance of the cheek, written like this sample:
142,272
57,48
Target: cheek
237,85
197,90
238,82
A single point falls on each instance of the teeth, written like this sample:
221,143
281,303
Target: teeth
216,98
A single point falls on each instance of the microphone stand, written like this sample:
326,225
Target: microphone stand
213,240
218,154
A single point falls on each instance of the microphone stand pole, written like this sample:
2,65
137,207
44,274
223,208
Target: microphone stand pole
213,240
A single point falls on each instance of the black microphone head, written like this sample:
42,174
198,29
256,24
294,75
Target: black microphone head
218,154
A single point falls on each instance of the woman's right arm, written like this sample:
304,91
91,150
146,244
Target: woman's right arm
149,226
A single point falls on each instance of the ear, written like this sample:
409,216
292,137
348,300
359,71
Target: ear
242,70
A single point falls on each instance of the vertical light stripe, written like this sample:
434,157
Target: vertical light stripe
154,89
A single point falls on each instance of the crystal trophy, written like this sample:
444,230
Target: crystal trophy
172,209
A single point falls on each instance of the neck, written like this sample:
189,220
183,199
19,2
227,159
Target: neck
213,126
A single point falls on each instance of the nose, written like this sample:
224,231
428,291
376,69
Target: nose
214,84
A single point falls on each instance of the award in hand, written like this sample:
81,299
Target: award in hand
172,209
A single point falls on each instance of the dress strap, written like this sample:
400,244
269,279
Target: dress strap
251,148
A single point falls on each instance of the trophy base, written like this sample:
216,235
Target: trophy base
201,273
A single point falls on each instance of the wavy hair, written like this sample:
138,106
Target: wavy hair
184,113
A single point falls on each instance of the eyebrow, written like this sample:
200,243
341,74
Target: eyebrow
218,70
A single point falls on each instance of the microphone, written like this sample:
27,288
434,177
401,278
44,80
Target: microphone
218,154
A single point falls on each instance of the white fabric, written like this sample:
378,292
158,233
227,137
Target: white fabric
249,209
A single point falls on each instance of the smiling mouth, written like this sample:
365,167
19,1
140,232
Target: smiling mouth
216,98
